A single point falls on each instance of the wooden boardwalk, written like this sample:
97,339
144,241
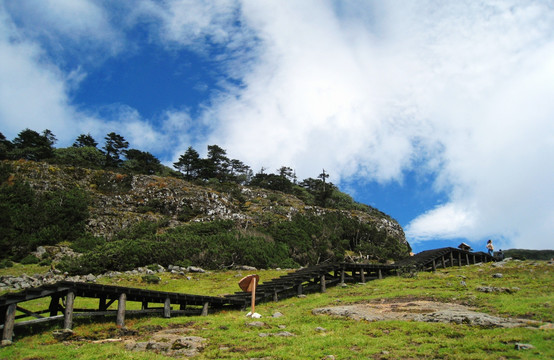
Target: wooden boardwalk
319,277
311,279
62,296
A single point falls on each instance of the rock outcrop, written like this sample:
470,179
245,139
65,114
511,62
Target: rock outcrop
424,311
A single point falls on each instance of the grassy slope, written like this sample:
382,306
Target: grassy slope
229,337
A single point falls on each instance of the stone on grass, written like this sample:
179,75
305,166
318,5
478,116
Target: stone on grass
62,335
284,334
256,324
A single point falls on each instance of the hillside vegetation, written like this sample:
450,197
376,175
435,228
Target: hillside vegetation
524,254
124,220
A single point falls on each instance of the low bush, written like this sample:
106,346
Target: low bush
87,242
123,255
212,245
30,259
151,279
6,263
45,262
29,219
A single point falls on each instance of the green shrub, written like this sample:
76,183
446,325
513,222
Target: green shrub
29,219
5,171
87,242
211,245
123,255
188,213
140,230
153,267
29,259
85,156
183,263
151,279
45,262
6,263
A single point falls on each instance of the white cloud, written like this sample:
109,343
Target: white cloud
35,92
461,88
31,90
82,27
447,221
198,25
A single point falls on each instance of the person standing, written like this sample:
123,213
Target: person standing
490,247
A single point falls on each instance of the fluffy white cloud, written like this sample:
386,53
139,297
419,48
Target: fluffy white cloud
82,27
35,92
31,90
460,88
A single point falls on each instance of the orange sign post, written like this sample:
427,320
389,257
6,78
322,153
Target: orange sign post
248,284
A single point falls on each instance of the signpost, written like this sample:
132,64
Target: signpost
248,284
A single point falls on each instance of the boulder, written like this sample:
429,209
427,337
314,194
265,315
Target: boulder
195,269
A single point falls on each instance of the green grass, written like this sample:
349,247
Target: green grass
19,269
229,337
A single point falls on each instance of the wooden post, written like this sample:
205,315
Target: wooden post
102,303
54,305
120,320
342,276
182,306
451,259
459,259
167,308
362,275
443,262
253,303
68,314
474,262
467,259
144,305
7,335
275,296
299,289
322,283
380,274
205,309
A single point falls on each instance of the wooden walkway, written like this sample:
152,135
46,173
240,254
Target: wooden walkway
311,279
319,277
62,296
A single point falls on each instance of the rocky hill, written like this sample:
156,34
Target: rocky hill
118,201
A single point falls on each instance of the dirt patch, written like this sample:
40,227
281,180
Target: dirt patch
170,342
421,310
173,341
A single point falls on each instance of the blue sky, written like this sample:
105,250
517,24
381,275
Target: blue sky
438,113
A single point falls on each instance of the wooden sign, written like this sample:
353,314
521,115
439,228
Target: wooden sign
248,282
